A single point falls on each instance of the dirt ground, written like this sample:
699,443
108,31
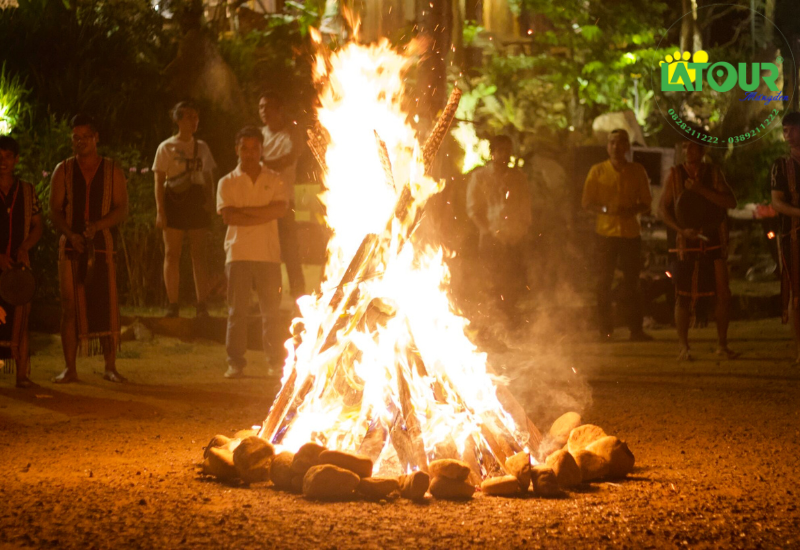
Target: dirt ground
97,465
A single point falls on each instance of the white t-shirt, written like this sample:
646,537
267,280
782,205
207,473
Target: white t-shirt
173,153
277,145
252,243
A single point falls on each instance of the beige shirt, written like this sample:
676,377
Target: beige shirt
499,203
251,243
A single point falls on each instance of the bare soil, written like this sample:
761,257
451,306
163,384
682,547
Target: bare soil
98,465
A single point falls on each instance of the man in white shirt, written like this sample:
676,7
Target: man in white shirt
499,204
280,154
250,200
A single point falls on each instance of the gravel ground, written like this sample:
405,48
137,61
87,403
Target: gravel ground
97,465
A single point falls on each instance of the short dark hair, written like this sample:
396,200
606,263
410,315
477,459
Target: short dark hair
249,132
499,141
272,98
8,143
791,119
82,119
617,131
177,111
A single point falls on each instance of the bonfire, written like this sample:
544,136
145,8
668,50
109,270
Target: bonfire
381,378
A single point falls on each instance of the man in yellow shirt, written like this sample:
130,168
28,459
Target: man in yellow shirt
618,191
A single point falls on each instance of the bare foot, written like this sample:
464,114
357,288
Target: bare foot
24,382
727,353
114,376
683,355
66,377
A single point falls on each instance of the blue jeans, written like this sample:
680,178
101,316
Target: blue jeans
265,277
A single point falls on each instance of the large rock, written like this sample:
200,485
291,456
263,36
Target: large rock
280,471
519,466
306,457
414,486
244,434
582,436
219,463
566,469
616,452
217,442
449,468
563,426
252,458
358,464
503,486
446,488
545,483
377,488
592,466
329,482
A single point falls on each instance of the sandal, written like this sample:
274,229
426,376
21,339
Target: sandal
66,377
114,376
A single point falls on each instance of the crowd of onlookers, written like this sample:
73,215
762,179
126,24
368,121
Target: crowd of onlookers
693,206
88,200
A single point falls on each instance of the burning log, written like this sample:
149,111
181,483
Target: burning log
439,131
317,145
386,163
413,427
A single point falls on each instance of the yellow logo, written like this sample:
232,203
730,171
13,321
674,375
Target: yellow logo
678,58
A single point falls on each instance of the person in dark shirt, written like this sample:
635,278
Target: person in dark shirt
20,229
88,200
785,184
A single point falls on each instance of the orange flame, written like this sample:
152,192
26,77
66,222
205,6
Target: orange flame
413,369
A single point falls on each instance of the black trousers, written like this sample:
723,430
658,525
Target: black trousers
625,253
290,253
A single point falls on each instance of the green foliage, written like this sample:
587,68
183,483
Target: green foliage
104,58
12,100
277,58
585,58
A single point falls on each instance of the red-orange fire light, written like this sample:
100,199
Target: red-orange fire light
668,274
771,235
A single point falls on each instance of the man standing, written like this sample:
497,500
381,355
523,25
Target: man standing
785,183
250,200
280,154
618,191
499,204
88,200
20,229
701,245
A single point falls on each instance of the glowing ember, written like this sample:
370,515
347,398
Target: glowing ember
379,364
